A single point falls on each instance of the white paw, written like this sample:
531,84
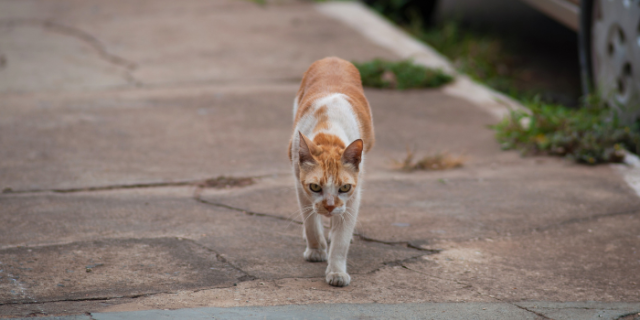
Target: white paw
338,279
315,255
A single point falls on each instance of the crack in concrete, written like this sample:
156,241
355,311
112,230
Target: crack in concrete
85,37
630,314
631,211
247,276
133,296
393,264
529,310
195,183
247,212
31,301
357,234
407,244
525,232
3,61
467,285
200,182
25,294
105,188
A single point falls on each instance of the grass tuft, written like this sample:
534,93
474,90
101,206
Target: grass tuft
482,55
590,135
401,75
438,161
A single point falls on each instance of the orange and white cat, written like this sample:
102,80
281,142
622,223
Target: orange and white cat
332,130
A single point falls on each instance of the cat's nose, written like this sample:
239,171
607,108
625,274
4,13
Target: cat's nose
329,208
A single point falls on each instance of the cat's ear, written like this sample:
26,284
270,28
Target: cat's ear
352,155
307,150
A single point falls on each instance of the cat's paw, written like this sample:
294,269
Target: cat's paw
315,255
338,279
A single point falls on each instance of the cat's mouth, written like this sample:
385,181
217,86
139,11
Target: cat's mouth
329,214
325,213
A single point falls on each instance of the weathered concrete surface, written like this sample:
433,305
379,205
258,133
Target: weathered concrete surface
338,311
103,269
566,310
159,240
95,139
146,99
466,204
106,139
197,42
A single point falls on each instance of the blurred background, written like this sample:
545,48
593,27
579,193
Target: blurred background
531,47
540,53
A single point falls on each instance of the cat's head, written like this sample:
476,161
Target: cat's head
329,172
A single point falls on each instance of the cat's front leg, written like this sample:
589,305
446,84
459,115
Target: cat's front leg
341,233
316,250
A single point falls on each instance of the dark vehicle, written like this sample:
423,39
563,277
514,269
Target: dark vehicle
609,33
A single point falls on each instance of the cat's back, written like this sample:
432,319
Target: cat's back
333,75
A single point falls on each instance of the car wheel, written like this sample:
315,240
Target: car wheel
610,53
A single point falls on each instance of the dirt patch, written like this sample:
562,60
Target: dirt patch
223,182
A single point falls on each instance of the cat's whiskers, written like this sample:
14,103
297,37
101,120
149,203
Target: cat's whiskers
305,219
291,217
350,213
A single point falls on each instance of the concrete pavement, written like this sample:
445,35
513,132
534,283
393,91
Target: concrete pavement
448,311
114,114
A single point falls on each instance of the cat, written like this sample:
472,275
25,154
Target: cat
332,130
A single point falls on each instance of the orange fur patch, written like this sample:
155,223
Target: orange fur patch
334,75
328,150
323,119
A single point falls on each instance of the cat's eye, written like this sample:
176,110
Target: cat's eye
345,188
315,188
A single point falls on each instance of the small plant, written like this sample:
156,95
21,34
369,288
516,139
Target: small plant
486,55
482,55
400,75
438,161
591,135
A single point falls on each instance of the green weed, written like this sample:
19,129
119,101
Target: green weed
400,75
591,135
482,56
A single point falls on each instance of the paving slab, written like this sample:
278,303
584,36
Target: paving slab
110,268
192,45
392,284
589,260
337,311
75,143
113,113
497,311
60,61
584,310
464,205
155,240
